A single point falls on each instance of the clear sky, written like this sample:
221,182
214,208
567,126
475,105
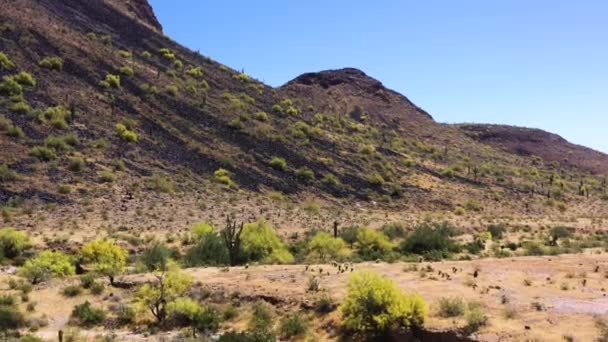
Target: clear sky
536,63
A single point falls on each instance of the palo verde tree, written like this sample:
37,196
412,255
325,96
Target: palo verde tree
324,247
106,257
169,285
46,265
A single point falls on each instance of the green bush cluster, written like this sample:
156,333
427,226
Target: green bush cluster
278,163
86,314
111,81
51,63
125,133
5,62
58,116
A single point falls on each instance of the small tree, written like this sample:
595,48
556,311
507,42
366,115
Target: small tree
155,258
46,265
374,306
106,257
168,286
324,247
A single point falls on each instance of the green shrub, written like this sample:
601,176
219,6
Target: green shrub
209,250
172,90
5,62
325,304
430,240
13,243
376,179
25,79
262,116
52,63
97,288
111,81
125,133
166,53
475,318
15,131
64,189
46,265
160,183
61,143
76,164
292,325
10,319
311,207
125,315
106,40
374,306
497,231
330,180
87,315
451,307
146,54
260,243
155,258
10,87
223,176
57,116
559,232
372,244
87,280
125,54
278,163
72,291
21,107
127,71
261,319
196,72
305,174
7,175
106,177
395,230
324,247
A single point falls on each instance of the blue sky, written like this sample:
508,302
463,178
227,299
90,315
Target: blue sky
535,63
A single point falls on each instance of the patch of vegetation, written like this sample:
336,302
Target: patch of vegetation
305,174
106,176
292,325
127,71
46,265
57,116
433,241
223,176
278,163
451,307
86,314
12,243
111,81
125,133
105,257
375,307
7,175
51,63
373,245
160,183
260,243
324,247
5,62
25,79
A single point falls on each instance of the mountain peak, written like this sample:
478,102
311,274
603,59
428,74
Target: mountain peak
330,78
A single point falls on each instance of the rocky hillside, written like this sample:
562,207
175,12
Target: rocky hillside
97,105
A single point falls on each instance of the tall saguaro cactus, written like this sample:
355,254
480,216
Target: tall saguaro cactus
232,238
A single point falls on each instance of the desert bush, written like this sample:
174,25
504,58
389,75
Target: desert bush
475,318
278,163
311,207
52,63
10,319
127,71
111,81
330,181
10,87
25,79
305,174
125,133
262,116
559,232
159,294
497,231
125,315
46,265
13,243
210,249
167,53
106,176
324,247
223,176
155,258
76,164
21,107
14,131
172,90
374,306
372,244
261,319
160,183
292,325
57,116
376,179
260,243
72,291
5,62
451,307
325,304
87,315
431,240
7,175
394,230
